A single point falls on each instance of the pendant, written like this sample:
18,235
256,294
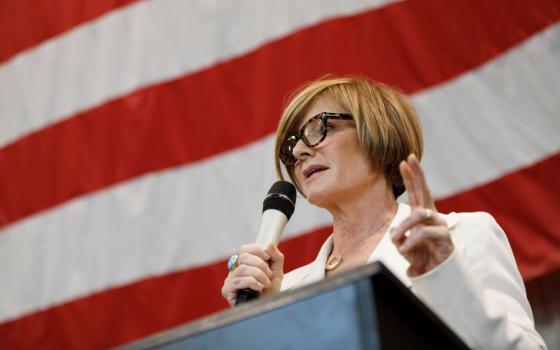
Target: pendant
333,262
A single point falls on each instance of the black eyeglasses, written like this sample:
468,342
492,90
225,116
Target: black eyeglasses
312,134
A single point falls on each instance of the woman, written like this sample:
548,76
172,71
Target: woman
352,146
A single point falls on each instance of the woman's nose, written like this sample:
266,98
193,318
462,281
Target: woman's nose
301,151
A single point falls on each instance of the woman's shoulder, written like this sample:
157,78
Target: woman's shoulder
477,230
473,223
478,219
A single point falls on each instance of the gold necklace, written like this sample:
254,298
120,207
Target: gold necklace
334,261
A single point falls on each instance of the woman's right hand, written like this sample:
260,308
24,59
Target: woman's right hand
253,271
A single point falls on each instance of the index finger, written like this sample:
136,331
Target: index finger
254,249
420,184
406,174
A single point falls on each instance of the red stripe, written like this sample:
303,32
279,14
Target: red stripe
121,315
239,101
525,203
25,24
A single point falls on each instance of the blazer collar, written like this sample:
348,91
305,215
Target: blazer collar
316,270
387,253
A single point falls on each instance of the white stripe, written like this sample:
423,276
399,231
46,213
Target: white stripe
494,119
164,221
143,44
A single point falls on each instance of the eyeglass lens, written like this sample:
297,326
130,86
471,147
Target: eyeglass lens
312,133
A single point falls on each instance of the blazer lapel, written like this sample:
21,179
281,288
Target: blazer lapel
387,253
316,270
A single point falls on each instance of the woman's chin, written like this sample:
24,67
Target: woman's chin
318,198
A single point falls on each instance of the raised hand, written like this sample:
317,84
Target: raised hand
423,237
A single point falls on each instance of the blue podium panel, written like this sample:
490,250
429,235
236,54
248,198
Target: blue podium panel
334,319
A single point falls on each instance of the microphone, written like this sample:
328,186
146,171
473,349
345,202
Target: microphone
278,207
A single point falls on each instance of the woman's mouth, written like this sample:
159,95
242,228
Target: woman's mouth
313,169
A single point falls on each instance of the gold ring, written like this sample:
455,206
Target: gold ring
428,215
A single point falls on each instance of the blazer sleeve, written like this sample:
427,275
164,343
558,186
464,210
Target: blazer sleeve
478,290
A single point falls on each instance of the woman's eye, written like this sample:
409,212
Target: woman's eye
330,127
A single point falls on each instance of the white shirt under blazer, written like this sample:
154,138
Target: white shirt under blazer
477,290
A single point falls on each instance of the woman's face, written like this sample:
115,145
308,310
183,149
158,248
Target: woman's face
337,169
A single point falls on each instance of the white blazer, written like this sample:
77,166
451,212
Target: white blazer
477,290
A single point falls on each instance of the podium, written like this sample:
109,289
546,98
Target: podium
366,308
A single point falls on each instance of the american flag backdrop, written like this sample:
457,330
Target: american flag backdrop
136,141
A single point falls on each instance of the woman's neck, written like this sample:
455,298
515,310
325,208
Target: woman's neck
362,220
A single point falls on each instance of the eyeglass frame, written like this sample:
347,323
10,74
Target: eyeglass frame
300,135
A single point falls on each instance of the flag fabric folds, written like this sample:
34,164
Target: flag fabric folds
136,142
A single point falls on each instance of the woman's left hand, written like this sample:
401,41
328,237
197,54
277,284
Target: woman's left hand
423,237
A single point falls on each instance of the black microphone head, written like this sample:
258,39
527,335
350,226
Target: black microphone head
281,196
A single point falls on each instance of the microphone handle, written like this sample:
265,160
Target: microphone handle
245,295
270,230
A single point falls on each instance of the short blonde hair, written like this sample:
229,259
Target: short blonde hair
387,124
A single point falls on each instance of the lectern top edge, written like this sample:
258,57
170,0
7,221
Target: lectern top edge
376,271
